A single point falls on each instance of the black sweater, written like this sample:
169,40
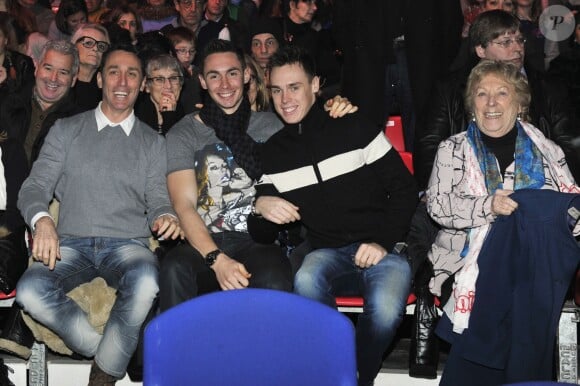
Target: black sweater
349,183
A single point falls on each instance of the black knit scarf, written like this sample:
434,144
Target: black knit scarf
232,130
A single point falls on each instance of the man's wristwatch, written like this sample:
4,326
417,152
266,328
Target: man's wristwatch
211,257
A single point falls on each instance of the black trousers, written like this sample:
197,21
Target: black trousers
184,274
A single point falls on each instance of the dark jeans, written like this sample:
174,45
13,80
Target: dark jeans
184,274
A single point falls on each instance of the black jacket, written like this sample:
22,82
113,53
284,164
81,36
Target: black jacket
342,200
20,73
16,111
549,112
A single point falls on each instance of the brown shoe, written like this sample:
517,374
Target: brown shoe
99,378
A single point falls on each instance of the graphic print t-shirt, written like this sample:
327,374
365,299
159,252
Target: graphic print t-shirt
225,191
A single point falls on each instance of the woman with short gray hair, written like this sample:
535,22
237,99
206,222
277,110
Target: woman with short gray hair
158,106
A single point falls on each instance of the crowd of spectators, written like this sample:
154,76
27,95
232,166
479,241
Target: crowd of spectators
387,57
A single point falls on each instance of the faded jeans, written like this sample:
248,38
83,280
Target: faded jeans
126,265
329,272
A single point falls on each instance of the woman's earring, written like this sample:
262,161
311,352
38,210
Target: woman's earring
519,117
473,117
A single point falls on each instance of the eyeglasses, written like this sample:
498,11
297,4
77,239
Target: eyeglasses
174,80
89,42
189,3
185,51
508,42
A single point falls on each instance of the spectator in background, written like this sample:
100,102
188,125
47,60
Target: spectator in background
17,70
41,13
91,41
155,14
70,16
217,24
297,31
126,18
257,90
183,41
29,114
189,16
159,105
504,5
265,39
96,9
528,11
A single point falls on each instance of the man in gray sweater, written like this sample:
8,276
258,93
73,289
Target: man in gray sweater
107,169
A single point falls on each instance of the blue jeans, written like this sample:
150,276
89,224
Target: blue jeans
331,272
126,265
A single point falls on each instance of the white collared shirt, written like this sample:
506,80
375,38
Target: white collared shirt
102,121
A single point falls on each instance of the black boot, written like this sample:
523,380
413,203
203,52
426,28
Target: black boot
16,338
424,351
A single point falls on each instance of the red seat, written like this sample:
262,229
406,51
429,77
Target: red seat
357,301
4,296
6,300
407,158
394,132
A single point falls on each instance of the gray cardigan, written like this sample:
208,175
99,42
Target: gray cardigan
108,184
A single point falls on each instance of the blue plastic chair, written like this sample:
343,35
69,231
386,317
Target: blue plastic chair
250,337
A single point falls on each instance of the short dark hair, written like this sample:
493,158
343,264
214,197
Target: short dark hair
293,55
127,47
490,25
218,46
180,34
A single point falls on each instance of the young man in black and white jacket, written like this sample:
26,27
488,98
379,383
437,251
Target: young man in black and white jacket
354,196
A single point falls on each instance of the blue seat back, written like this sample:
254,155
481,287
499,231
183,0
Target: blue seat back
250,337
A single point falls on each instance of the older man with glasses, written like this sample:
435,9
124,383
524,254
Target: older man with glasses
92,41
